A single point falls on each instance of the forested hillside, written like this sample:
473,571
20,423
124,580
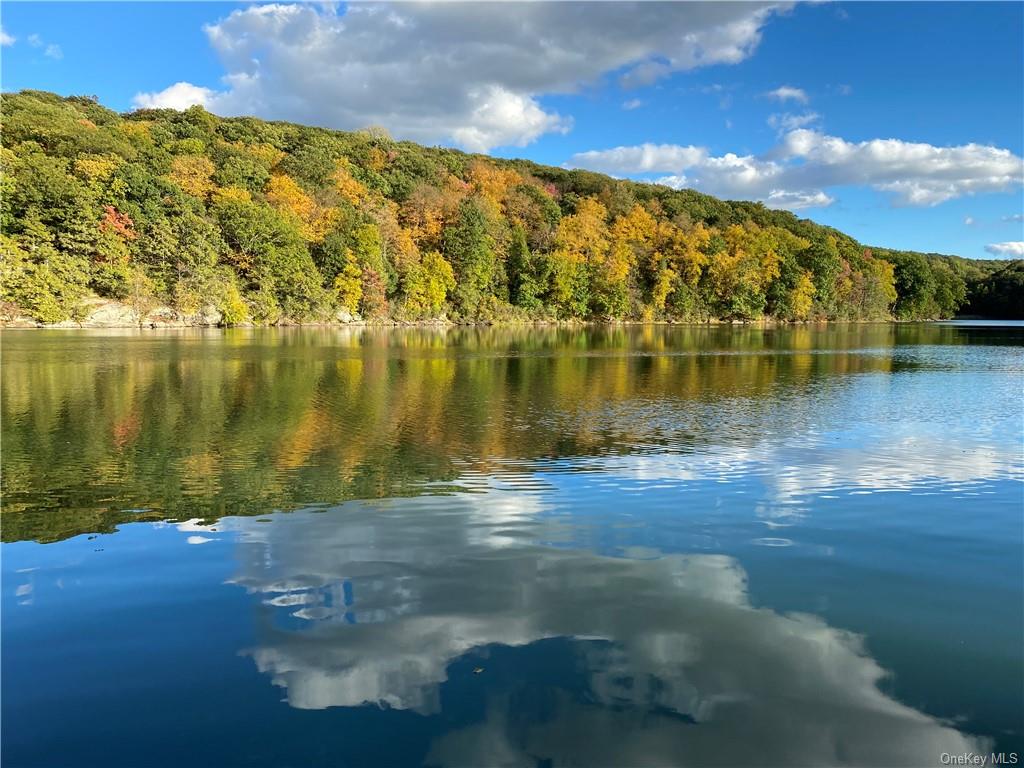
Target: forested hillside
270,222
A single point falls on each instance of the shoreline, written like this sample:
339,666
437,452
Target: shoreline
28,325
111,314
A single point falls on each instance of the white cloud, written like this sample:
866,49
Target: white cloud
50,50
1014,217
472,73
632,104
793,201
918,173
1013,249
748,178
788,93
501,117
177,96
786,121
969,221
644,158
6,39
796,173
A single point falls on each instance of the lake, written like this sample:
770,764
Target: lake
621,546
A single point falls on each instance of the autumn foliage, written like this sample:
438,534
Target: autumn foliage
271,222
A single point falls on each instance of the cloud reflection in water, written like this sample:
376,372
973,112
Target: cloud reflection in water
375,603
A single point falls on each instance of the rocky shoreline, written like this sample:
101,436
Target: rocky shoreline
96,312
99,313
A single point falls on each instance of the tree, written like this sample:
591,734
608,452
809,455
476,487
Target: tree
632,250
313,220
879,288
469,248
267,249
999,294
350,190
244,171
348,284
822,260
915,284
373,302
44,283
141,293
194,174
801,297
524,282
742,270
427,286
581,243
230,302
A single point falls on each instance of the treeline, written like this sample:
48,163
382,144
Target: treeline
268,222
997,291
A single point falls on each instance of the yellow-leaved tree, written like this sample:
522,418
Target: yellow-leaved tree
801,297
314,220
193,173
580,240
348,286
427,286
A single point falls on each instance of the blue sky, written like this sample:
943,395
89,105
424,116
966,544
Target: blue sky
902,124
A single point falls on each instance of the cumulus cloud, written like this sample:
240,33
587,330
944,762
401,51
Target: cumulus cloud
917,173
969,221
795,173
788,93
643,158
469,73
53,51
6,39
500,117
1014,217
1013,249
177,96
632,104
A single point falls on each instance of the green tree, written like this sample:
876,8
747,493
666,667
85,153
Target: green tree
469,248
525,283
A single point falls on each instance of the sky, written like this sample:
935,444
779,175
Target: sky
899,123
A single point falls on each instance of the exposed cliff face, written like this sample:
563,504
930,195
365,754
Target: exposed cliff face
96,312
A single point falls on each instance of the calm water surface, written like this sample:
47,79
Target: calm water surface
627,547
